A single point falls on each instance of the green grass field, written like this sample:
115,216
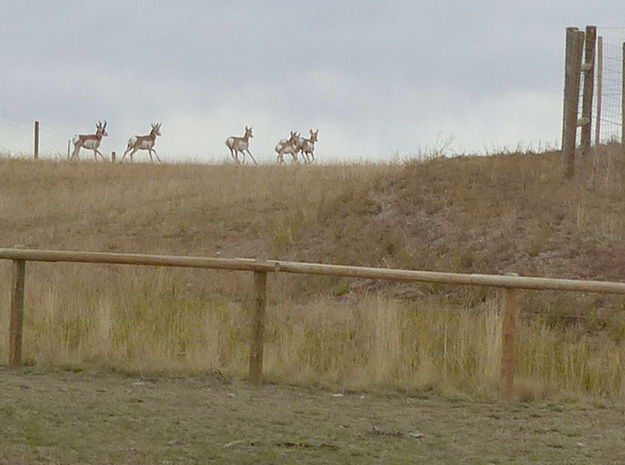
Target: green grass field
100,417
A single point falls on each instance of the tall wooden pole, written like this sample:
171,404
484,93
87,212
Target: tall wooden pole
36,151
508,343
258,327
573,64
16,323
589,83
599,90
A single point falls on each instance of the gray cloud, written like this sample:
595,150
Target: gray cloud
375,77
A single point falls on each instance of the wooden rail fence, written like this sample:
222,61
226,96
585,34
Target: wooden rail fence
510,283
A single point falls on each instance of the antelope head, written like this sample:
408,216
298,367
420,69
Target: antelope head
313,135
101,129
248,132
156,129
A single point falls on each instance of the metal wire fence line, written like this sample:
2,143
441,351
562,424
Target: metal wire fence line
17,135
611,119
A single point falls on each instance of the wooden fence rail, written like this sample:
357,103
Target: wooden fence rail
261,267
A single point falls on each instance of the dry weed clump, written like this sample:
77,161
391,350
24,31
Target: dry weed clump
152,321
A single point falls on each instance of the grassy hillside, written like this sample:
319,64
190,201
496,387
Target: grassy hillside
469,214
493,214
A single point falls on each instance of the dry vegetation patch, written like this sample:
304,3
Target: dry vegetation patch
492,214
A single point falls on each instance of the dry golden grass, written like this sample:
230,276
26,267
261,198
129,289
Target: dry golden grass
472,214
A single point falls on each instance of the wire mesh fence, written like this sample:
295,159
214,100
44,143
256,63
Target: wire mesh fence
17,137
611,118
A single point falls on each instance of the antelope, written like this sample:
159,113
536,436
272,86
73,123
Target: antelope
89,142
288,146
307,146
240,144
136,143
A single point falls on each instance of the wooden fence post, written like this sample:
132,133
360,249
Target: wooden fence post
508,343
599,90
258,327
17,313
573,64
36,151
589,83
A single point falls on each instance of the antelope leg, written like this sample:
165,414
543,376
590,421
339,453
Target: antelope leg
251,156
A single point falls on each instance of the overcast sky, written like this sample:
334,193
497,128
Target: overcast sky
378,79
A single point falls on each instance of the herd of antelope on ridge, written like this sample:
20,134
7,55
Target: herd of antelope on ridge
295,145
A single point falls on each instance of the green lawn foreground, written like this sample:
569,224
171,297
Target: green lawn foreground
63,417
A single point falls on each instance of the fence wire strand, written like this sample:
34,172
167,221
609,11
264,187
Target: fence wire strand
612,83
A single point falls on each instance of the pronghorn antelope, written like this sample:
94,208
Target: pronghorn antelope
89,142
240,144
287,146
136,143
307,146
